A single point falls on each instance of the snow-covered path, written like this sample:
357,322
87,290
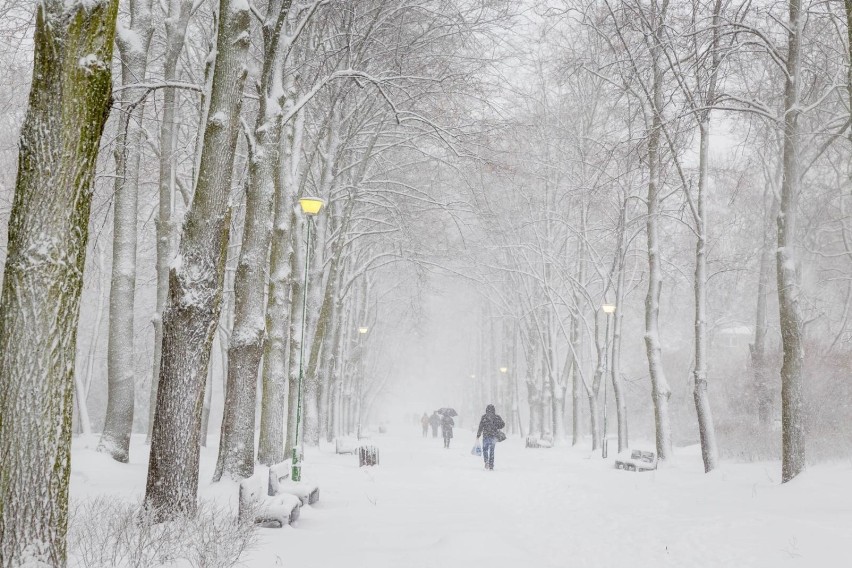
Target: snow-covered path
427,507
424,506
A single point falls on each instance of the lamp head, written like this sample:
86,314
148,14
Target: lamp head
504,369
608,308
311,205
363,329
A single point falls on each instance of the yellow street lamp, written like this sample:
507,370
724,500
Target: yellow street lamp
504,369
311,206
363,329
608,308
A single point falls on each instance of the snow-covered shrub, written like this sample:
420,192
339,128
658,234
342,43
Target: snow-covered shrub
111,533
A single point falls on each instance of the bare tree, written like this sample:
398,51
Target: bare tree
133,43
195,282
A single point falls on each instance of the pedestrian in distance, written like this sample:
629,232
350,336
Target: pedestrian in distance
489,429
434,421
447,424
424,421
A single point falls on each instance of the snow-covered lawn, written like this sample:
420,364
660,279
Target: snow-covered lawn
429,507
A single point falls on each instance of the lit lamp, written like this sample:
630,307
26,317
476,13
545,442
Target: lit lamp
608,309
361,332
504,369
311,207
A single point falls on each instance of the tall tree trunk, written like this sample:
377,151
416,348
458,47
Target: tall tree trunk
195,283
759,361
43,277
236,448
615,353
297,288
176,22
276,393
789,286
133,44
709,449
660,391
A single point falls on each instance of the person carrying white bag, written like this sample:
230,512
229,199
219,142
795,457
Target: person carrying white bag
489,429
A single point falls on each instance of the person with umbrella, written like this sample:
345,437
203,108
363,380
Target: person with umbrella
489,428
435,421
447,424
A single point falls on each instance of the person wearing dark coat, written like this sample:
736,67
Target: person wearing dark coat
489,424
447,424
435,421
424,421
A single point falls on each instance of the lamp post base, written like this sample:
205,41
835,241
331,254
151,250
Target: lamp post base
296,469
604,448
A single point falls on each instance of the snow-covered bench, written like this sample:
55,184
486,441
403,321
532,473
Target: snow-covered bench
536,442
636,460
274,511
346,445
280,484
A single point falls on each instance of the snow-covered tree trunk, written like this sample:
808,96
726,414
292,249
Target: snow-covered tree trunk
274,397
660,391
294,344
789,286
133,44
195,282
706,429
615,352
759,362
236,448
43,276
176,22
576,338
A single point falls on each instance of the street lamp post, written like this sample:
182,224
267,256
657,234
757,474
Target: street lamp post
311,207
362,331
608,310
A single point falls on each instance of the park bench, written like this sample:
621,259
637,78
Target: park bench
346,445
536,442
281,484
272,511
637,460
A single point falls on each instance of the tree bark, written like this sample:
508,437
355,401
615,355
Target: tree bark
133,45
789,286
195,283
69,102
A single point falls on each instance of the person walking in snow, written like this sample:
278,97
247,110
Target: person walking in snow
489,426
435,421
424,421
447,429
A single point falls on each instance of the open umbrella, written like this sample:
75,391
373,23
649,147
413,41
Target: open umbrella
447,411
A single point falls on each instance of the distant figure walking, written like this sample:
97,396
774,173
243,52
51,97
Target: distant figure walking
447,424
424,421
435,421
489,425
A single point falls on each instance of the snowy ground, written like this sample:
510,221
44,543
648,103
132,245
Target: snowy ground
425,506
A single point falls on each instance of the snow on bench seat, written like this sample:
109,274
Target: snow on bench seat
636,460
280,484
274,511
